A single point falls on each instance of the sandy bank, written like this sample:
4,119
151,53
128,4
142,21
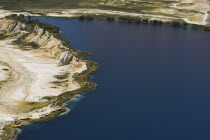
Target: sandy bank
76,12
69,13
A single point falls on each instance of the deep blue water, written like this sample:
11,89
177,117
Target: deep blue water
153,84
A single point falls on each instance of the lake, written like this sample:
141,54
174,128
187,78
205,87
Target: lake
153,84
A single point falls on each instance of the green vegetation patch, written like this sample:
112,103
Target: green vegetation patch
39,4
6,35
128,6
30,24
62,76
82,79
45,26
23,45
137,19
29,106
8,133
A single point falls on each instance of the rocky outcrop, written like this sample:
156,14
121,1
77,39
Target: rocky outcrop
49,45
77,66
46,41
65,57
7,25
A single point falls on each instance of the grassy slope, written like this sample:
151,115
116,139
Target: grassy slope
23,4
111,4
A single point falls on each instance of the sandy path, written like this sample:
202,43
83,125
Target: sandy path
21,77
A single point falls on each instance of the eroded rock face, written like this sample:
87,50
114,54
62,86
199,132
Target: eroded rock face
77,66
7,25
65,58
72,84
46,41
50,45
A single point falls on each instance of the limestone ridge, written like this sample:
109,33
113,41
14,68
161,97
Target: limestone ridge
52,46
49,45
7,25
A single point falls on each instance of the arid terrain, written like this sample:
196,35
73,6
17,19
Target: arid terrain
36,68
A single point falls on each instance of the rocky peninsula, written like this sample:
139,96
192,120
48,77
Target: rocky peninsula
39,72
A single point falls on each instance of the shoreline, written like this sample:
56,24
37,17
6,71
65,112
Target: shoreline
65,110
64,102
176,22
65,97
61,114
79,75
111,15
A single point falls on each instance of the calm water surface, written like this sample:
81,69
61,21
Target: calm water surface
153,84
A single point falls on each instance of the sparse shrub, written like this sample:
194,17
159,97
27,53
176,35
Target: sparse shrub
110,18
159,22
89,18
33,45
145,20
138,21
206,28
154,21
167,22
123,18
81,17
175,23
184,24
47,27
86,18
